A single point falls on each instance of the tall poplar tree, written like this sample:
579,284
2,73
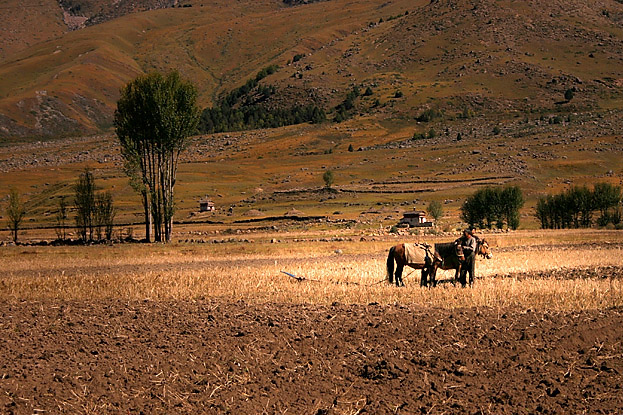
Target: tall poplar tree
154,118
85,205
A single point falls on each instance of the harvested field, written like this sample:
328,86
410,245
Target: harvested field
207,329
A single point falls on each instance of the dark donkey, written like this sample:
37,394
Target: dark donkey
447,257
398,253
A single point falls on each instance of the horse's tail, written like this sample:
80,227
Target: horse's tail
390,264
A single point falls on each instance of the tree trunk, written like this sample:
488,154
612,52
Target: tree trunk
156,216
148,220
164,188
168,183
155,193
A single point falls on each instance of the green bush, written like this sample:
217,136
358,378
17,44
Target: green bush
435,209
328,178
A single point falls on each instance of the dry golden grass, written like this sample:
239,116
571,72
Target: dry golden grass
253,274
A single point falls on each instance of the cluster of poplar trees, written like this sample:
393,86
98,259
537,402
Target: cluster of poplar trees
493,206
95,213
154,118
575,207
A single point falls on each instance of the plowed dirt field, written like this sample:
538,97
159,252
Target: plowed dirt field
217,357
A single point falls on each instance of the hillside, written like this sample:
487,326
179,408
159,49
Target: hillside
70,85
27,22
462,58
258,178
452,96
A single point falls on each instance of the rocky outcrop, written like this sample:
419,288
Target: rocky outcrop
78,14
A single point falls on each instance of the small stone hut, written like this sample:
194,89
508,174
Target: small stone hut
206,205
416,219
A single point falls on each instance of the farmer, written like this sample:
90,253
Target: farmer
466,248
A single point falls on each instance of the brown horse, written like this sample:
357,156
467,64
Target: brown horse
397,253
446,257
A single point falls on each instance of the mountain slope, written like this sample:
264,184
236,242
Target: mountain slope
71,85
492,55
27,22
459,57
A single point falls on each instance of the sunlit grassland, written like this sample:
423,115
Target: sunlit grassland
252,272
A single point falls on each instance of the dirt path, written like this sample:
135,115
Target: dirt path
216,357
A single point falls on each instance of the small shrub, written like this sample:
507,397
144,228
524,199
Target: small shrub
328,178
569,94
429,115
467,113
435,209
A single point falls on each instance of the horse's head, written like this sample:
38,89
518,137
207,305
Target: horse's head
484,249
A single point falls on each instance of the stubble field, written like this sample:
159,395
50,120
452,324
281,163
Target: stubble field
218,328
